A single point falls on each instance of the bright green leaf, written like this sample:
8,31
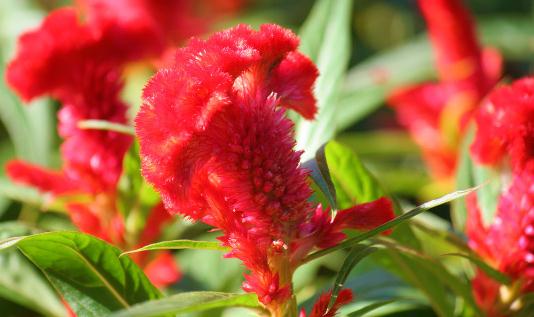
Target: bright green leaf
392,223
189,302
20,281
181,244
326,39
87,272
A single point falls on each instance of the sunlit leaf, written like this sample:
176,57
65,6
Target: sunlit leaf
181,244
326,39
87,272
20,281
392,223
189,302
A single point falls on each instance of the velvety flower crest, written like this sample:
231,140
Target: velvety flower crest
216,144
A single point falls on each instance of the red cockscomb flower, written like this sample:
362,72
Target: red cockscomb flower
216,144
436,113
504,140
81,67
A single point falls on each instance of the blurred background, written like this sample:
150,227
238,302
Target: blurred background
389,48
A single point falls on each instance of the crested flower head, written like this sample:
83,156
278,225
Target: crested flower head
436,113
216,144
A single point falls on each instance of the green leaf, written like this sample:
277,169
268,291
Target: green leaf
325,37
20,281
392,223
189,302
30,127
422,271
469,174
354,184
357,254
369,308
489,192
485,267
352,181
87,272
320,174
181,244
464,179
106,125
137,198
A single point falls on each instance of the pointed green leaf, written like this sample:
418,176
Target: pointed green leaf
20,281
326,39
87,272
485,267
358,253
181,244
189,302
392,223
369,308
320,174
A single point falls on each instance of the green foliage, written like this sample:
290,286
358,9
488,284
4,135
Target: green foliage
358,253
189,302
20,281
325,38
87,272
369,308
485,267
181,244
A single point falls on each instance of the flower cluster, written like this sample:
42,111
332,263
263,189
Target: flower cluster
215,142
80,64
504,140
436,113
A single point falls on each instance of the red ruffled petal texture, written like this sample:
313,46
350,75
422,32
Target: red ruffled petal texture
506,127
216,144
320,309
436,114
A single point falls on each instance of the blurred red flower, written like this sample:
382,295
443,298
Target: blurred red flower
436,113
81,67
216,144
504,140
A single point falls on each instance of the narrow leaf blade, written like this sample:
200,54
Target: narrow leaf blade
189,302
180,244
